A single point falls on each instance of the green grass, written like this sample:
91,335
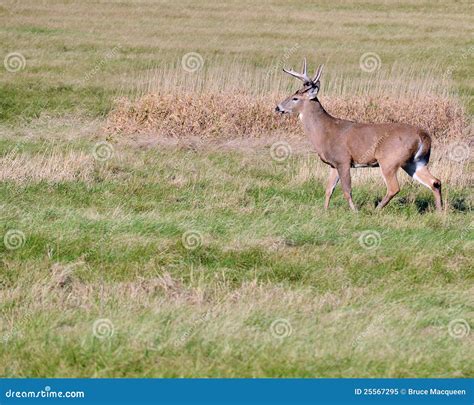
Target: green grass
112,248
29,100
64,42
105,241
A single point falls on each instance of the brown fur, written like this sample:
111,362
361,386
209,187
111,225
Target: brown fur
344,144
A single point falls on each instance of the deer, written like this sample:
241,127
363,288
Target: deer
344,144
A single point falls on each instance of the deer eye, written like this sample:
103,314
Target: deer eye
295,98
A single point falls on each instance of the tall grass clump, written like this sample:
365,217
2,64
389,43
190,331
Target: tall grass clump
238,101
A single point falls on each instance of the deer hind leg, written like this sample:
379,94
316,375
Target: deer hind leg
330,186
390,178
345,175
423,176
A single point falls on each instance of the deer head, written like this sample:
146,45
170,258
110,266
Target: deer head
309,91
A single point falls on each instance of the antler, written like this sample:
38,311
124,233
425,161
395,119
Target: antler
318,74
302,76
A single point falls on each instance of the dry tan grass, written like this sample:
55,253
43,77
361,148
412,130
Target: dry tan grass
211,116
61,287
236,102
235,105
53,167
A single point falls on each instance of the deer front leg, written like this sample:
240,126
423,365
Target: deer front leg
331,185
345,175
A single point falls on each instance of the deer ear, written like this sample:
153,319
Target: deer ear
313,92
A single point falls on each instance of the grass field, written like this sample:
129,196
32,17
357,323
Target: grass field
135,254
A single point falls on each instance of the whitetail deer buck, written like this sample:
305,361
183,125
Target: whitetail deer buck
344,144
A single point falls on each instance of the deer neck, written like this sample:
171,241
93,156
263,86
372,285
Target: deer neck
317,123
